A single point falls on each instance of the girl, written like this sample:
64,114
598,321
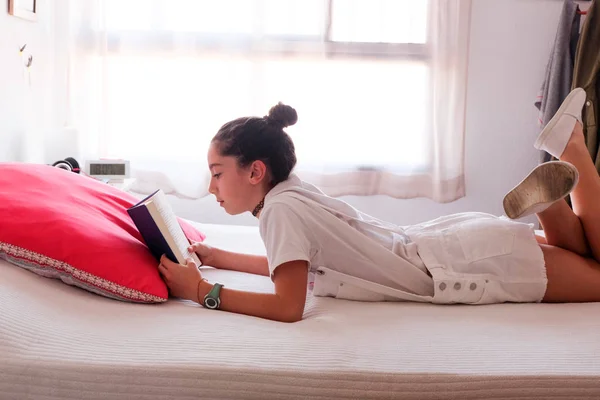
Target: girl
322,244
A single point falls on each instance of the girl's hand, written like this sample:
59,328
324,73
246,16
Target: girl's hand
205,253
182,280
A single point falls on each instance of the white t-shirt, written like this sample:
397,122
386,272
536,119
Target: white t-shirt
350,254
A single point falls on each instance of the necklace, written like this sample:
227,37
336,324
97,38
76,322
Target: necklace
258,207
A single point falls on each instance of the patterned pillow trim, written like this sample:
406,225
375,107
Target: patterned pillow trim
51,268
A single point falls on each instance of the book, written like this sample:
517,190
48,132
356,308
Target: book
160,229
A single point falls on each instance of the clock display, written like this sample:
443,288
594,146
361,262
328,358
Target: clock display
107,169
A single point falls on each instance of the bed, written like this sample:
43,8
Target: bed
61,342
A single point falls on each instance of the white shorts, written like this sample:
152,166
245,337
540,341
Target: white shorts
477,258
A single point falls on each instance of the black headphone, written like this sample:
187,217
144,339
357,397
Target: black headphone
69,164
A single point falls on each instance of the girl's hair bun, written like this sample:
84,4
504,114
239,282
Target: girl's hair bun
282,115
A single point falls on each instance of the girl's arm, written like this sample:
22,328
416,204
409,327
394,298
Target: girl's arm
223,259
286,305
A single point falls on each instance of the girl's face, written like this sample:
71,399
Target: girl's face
231,185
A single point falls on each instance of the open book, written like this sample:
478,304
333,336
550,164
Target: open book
158,225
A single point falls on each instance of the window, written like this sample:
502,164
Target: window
379,86
357,72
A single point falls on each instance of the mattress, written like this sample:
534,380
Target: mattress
61,342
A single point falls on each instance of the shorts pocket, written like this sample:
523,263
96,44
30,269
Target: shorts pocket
485,238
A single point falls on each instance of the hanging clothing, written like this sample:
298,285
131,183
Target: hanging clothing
587,69
559,70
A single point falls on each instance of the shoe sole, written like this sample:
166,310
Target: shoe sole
546,184
541,139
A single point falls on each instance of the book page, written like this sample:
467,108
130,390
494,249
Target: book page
172,225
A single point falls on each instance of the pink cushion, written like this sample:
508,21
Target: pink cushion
59,224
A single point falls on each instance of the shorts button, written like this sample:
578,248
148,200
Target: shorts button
473,286
457,286
442,286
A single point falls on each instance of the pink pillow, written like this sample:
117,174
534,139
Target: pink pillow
59,224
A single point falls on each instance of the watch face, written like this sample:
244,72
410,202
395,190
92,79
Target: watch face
107,169
210,302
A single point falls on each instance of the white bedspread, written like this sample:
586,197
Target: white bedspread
60,342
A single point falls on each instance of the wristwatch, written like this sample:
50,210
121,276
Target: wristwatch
212,299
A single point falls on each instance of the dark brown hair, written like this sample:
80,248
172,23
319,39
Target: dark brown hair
249,139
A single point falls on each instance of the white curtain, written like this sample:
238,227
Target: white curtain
379,87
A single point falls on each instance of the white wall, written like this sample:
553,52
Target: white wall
510,44
26,111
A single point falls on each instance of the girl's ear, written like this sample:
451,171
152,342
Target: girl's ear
258,172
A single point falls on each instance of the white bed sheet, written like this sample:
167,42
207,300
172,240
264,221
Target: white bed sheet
61,342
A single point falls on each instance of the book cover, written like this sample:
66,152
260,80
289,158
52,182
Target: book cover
160,229
148,228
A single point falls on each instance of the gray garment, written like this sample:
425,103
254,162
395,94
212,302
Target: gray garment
559,71
586,75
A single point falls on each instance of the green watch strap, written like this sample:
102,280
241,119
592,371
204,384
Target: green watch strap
212,299
214,292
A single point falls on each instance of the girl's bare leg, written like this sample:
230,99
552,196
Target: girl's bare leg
574,230
586,195
571,277
562,228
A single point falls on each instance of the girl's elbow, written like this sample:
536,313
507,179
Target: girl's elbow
291,314
291,317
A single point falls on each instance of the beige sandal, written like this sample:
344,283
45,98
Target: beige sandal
556,134
545,185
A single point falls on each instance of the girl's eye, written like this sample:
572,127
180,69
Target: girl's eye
217,175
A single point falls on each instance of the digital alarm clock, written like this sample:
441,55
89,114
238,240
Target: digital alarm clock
114,170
